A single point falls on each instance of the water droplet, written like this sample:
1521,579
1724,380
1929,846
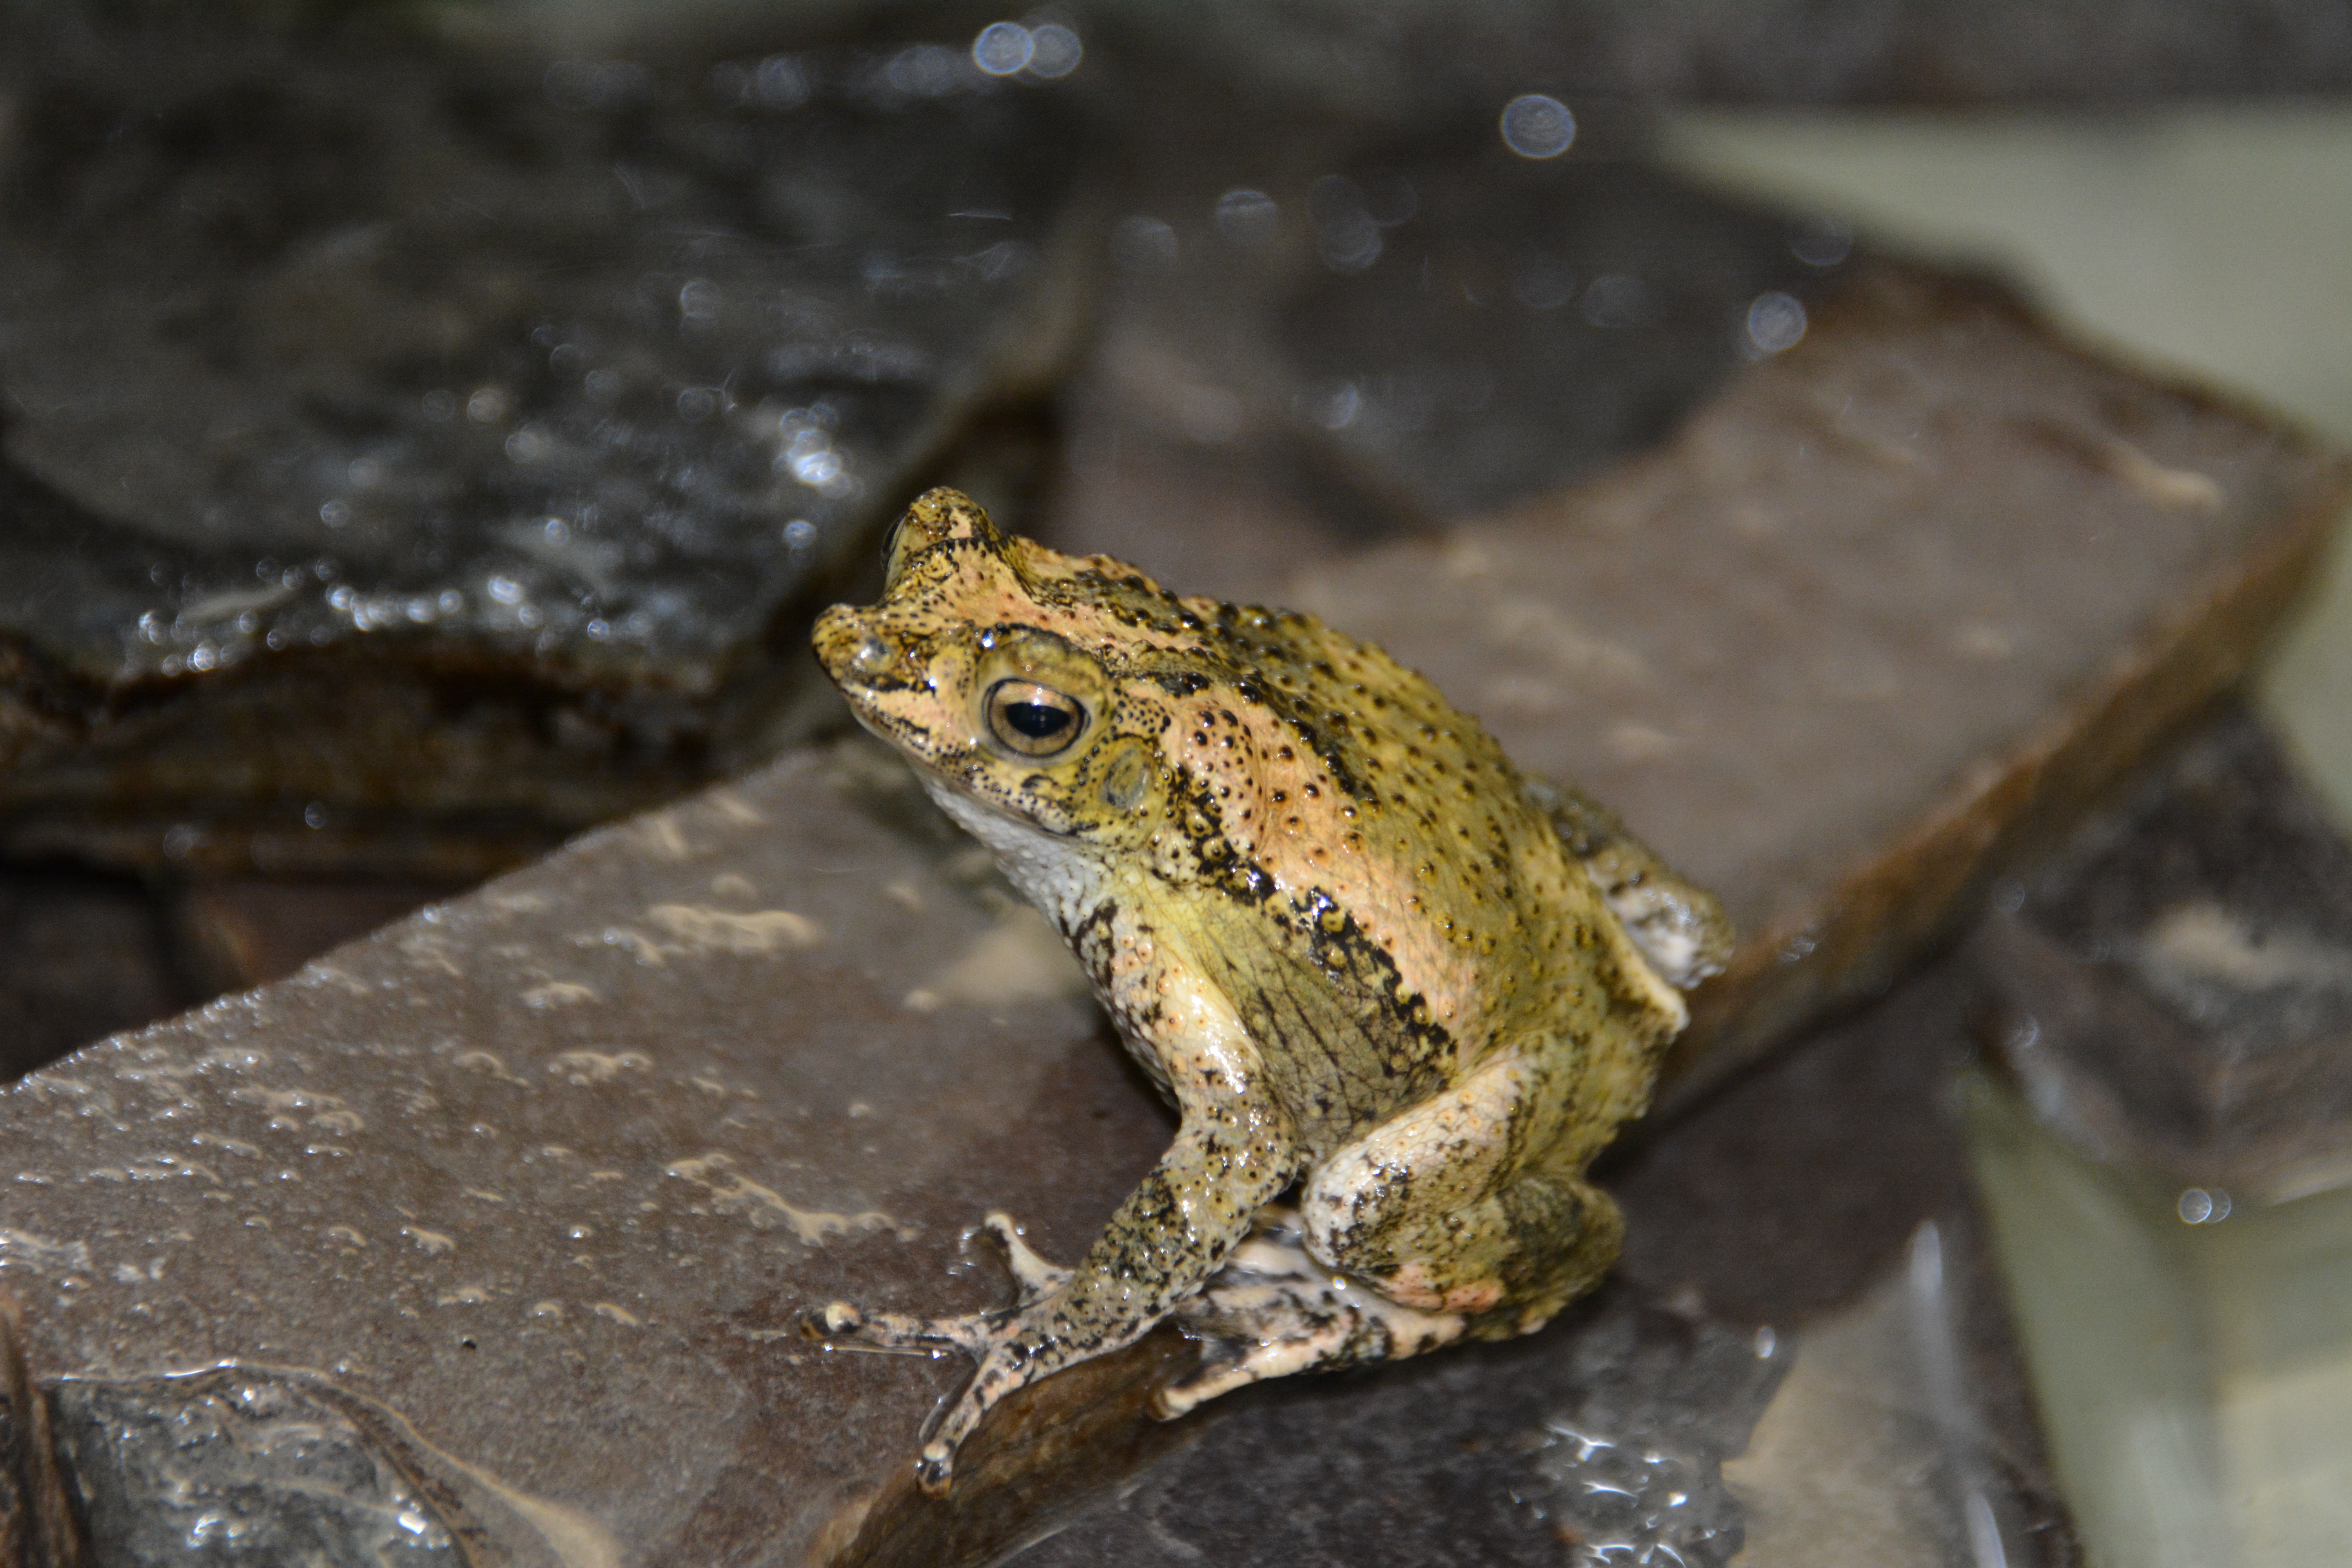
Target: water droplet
1248,218
1776,321
1143,244
1003,48
1055,51
1824,242
1535,125
2201,1205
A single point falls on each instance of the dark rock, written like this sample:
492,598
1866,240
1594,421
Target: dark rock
1524,323
1499,1456
38,1527
1777,1308
2176,981
1362,340
1886,613
81,955
1438,60
270,1469
548,1171
236,934
403,434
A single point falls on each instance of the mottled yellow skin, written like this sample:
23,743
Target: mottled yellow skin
1326,916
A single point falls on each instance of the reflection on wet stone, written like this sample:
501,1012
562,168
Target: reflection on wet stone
499,416
241,1467
1632,1472
1599,1441
2177,982
1507,325
544,1165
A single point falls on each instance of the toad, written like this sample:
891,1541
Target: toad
1400,995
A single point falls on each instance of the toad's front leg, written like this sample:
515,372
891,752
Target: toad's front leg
1232,1155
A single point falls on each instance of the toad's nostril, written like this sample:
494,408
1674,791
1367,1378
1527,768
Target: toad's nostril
873,656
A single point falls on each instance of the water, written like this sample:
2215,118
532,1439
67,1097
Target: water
2193,1354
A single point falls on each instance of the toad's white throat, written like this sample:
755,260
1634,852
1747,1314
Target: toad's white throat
1052,872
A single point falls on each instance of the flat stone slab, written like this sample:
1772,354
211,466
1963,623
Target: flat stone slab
549,1170
1770,1380
1884,614
545,1173
464,480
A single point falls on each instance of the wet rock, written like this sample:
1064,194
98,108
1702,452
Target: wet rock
1364,338
548,1172
1897,601
413,451
2176,983
260,1466
1804,1360
1386,66
38,1528
1608,1431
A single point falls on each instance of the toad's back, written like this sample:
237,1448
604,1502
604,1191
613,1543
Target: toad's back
1351,828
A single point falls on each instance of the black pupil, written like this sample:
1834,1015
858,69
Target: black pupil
1035,720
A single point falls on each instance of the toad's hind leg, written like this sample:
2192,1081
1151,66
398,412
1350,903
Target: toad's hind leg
1468,1216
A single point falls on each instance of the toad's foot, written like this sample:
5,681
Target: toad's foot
1273,1310
1003,1341
845,1326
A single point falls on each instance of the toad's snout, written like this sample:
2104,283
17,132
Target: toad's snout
852,648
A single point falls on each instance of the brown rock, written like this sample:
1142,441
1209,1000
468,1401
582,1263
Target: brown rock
235,933
1890,609
548,1171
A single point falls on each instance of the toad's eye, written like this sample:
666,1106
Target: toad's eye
1031,720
